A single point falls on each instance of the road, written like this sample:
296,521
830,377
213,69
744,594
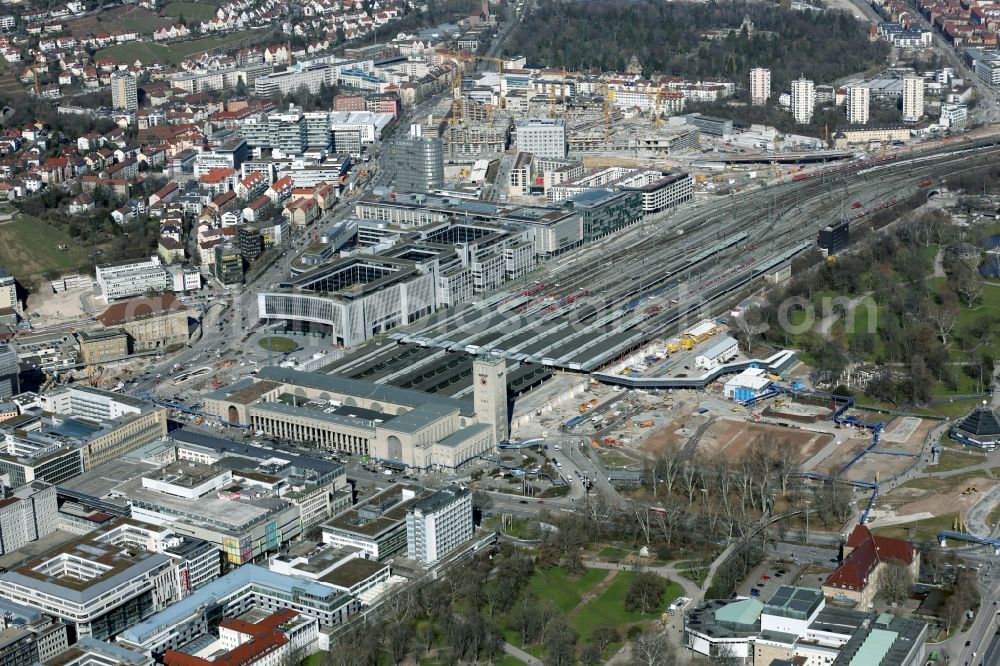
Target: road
969,646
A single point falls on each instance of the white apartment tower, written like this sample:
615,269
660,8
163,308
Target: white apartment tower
542,137
490,395
858,99
803,100
760,85
437,525
124,94
913,99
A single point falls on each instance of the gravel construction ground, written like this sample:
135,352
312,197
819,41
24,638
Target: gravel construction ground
937,496
733,439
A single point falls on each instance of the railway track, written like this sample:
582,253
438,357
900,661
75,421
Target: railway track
694,257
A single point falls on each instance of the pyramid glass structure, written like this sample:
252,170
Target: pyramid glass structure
981,428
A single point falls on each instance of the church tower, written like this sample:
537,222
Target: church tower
489,376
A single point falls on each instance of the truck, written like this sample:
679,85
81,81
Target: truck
610,440
648,423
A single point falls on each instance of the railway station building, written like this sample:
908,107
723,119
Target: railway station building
404,428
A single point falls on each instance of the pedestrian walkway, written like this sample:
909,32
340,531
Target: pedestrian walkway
521,655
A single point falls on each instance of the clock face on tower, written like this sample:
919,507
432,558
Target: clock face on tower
482,379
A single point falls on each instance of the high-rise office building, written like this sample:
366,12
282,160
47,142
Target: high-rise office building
542,137
124,94
419,162
760,85
10,384
437,525
858,99
803,100
913,99
228,264
27,514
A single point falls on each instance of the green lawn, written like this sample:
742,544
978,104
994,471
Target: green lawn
956,458
191,11
563,590
171,54
313,659
29,246
858,322
279,344
920,530
988,305
508,660
609,607
696,575
943,483
125,17
615,552
616,461
927,254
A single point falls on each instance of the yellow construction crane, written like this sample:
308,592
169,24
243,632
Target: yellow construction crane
655,108
609,97
562,90
460,57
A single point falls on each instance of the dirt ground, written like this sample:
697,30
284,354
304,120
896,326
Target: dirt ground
795,408
907,434
733,439
54,308
681,426
669,437
959,496
873,468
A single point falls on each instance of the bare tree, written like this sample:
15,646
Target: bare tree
667,520
653,648
643,519
400,637
895,583
293,657
944,319
744,475
560,641
725,655
785,465
953,611
722,473
690,475
970,287
750,327
603,636
597,512
590,655
666,467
